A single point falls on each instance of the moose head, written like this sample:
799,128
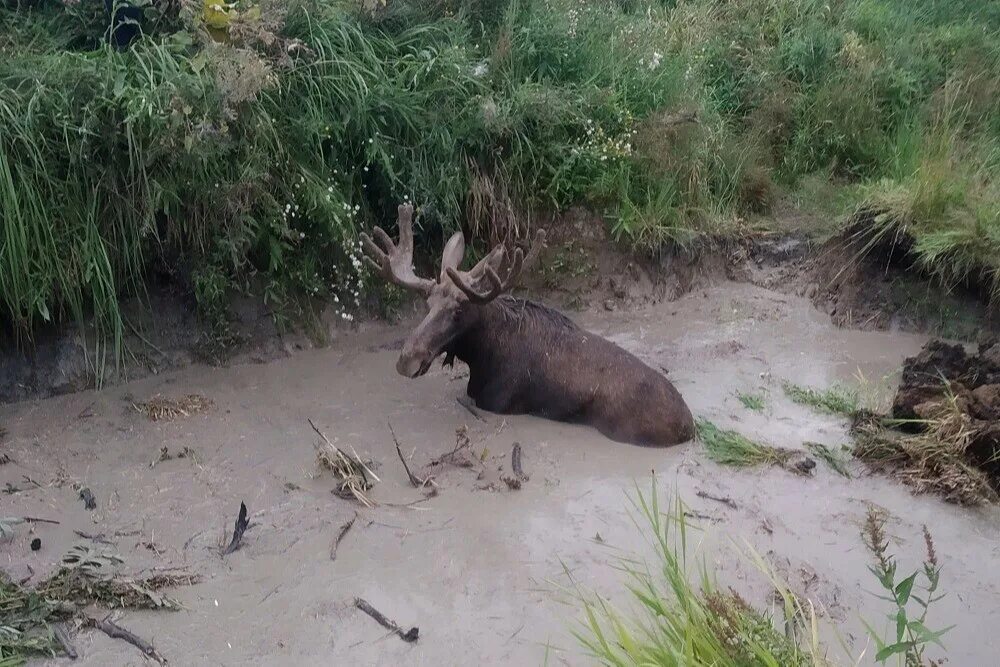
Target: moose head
454,300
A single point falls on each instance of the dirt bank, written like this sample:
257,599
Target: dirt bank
581,269
477,571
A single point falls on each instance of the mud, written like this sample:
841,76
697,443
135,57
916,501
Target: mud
479,568
946,376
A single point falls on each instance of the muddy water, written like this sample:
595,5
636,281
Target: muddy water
479,571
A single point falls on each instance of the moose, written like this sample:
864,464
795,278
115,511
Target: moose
524,357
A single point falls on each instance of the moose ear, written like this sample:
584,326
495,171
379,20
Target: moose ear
453,253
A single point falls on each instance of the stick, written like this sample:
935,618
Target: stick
117,632
414,480
725,500
59,631
515,462
33,519
241,526
343,531
408,636
467,404
96,538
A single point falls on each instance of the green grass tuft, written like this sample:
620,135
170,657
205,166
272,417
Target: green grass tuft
833,457
731,448
834,400
682,619
755,402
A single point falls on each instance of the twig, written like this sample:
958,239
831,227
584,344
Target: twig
115,631
96,538
31,481
725,500
34,519
515,462
408,636
241,526
343,531
414,480
62,636
467,404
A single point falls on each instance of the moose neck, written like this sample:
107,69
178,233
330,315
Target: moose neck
481,345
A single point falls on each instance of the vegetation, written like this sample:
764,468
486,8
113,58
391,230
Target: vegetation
680,621
731,448
84,579
834,400
910,636
832,457
242,146
677,619
755,402
935,459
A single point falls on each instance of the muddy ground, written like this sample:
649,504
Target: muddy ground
479,571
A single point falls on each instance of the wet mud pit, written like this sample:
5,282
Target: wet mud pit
478,571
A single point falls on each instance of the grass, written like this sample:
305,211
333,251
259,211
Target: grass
731,448
933,460
680,616
832,457
253,151
684,620
755,402
833,400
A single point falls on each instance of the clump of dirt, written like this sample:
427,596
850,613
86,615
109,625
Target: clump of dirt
945,432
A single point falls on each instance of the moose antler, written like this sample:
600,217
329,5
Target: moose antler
485,269
395,262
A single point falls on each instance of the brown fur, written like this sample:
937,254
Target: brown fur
524,357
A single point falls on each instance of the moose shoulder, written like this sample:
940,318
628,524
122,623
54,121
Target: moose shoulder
525,357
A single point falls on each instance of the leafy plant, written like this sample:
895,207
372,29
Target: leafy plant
911,636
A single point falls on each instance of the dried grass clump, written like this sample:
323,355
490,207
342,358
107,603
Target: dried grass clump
32,620
354,477
934,460
87,577
159,408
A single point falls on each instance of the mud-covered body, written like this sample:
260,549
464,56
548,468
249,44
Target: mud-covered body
525,358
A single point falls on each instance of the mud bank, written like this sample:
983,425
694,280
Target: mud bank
478,571
581,269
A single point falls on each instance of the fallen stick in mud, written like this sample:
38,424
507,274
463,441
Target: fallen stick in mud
467,404
343,531
99,538
242,522
62,636
515,462
725,500
35,519
408,636
115,631
414,480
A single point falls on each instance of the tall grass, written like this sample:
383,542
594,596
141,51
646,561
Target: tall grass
257,150
681,615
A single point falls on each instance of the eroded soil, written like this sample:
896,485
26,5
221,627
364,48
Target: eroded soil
478,571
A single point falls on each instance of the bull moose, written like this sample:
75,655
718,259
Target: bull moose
524,357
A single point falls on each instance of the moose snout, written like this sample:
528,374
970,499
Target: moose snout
412,362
